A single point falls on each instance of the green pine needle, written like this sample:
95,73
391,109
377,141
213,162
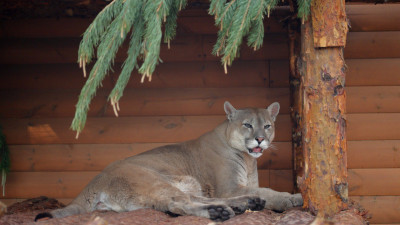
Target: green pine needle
107,33
303,9
236,20
4,160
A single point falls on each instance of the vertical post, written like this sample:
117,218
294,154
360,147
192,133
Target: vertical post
296,96
322,69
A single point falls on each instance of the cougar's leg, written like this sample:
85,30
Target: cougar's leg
139,187
239,204
274,200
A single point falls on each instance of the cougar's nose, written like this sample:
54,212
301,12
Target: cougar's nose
259,139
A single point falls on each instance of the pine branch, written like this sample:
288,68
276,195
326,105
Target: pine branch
236,19
4,160
108,31
170,25
130,63
154,12
110,42
93,34
303,9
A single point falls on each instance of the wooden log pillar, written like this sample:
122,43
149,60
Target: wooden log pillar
323,182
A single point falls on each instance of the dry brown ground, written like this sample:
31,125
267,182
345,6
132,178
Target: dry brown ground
25,212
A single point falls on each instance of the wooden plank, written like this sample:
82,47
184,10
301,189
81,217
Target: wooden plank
64,50
360,72
379,126
51,184
373,154
95,157
140,102
374,181
364,45
370,72
384,209
380,17
184,48
167,75
75,157
274,47
377,17
75,27
373,99
120,130
70,184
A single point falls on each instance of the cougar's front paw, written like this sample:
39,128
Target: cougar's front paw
296,200
288,202
241,204
220,212
256,204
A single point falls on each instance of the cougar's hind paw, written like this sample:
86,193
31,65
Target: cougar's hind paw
43,216
171,214
256,204
238,210
220,213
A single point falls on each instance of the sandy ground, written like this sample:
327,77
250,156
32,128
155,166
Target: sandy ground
25,212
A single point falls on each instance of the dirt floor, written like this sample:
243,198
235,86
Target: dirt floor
25,212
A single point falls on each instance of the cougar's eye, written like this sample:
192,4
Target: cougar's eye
267,126
247,125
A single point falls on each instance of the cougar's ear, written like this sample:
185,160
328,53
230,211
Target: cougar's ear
273,110
229,110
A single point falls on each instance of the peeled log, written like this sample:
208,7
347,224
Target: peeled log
324,183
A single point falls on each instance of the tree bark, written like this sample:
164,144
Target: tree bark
296,96
323,182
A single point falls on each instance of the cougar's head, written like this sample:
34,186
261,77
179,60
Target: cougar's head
251,130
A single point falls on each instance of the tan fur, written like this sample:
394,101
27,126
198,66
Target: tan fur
197,177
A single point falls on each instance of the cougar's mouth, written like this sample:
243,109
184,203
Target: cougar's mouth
256,150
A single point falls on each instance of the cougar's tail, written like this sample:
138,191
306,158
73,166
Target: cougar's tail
71,209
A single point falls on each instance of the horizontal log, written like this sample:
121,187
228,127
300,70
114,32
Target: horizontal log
360,72
374,181
106,130
184,48
193,48
75,27
120,130
70,184
182,101
140,102
373,154
373,99
362,18
377,17
95,157
364,45
384,209
51,184
167,75
380,126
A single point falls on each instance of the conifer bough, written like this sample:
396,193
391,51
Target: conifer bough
143,19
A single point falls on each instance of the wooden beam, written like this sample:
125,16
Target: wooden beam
324,184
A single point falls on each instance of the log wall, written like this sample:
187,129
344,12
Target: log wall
40,83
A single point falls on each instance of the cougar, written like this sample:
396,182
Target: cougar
214,176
